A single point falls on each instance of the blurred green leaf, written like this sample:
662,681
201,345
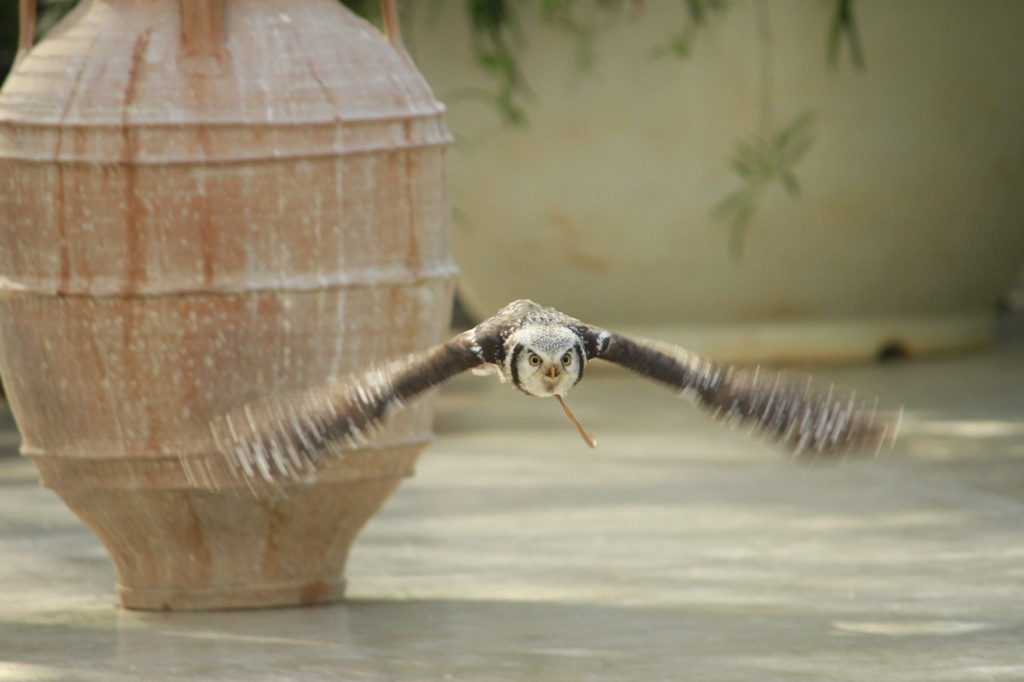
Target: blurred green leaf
759,163
732,203
793,142
843,26
699,10
698,13
680,46
791,183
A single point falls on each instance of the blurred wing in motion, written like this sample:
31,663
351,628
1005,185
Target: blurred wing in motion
808,418
287,436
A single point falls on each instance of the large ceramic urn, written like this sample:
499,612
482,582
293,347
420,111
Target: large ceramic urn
203,202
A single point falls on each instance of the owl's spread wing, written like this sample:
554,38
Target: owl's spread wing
811,419
288,436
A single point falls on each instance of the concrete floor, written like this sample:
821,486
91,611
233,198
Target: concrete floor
675,551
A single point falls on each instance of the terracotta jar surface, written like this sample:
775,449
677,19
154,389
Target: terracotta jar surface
203,202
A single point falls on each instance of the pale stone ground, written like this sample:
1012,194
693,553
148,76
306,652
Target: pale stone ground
675,551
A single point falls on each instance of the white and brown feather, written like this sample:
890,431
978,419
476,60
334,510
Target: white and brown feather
288,436
808,418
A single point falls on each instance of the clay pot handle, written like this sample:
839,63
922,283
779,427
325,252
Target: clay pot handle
26,27
392,27
202,27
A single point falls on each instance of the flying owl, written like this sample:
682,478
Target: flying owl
543,353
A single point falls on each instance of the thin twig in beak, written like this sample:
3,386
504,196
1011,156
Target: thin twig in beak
586,436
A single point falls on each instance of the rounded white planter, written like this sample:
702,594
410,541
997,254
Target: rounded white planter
910,220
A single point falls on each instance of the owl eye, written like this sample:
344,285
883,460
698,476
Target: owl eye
535,360
567,359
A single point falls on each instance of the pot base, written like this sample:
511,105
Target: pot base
176,547
181,598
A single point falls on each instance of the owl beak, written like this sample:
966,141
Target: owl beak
553,371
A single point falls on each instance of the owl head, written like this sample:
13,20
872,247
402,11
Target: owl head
544,359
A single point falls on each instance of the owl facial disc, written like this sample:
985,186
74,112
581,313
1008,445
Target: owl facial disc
544,360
